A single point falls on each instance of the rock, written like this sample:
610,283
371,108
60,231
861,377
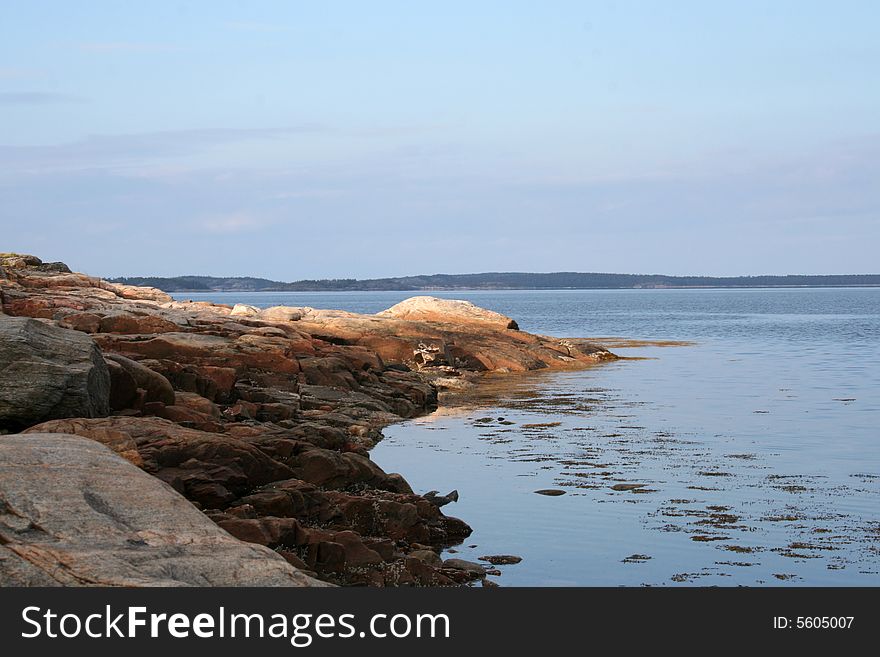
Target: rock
356,553
457,337
125,322
620,487
123,387
244,352
447,311
331,469
197,403
188,417
467,566
19,260
271,532
157,387
188,458
550,492
283,314
501,559
138,292
428,556
264,418
48,372
432,355
244,310
119,441
73,513
438,500
85,322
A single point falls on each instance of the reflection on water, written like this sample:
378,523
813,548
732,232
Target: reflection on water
746,459
750,456
644,504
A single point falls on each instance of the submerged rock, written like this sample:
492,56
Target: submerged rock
466,566
501,559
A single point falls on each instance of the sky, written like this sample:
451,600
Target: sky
332,139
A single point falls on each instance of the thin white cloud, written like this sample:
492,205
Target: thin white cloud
308,193
18,73
36,98
231,223
136,149
127,46
256,26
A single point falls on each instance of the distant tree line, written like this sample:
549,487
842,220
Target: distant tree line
495,281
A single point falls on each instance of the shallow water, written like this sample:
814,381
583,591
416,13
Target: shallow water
757,448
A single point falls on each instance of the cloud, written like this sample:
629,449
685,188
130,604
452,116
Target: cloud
36,98
127,46
307,193
17,73
256,26
135,149
231,223
810,212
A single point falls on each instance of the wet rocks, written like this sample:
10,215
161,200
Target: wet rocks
428,556
501,559
462,570
550,492
627,487
438,500
467,566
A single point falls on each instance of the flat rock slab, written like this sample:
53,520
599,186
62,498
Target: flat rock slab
73,513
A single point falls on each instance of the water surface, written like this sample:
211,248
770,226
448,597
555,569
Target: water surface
755,450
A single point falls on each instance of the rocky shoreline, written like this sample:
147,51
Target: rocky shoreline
261,418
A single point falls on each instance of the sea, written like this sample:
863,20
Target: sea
737,444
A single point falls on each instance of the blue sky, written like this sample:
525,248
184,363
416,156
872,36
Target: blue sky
352,139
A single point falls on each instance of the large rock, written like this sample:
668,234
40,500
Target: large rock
157,387
447,311
48,372
137,292
73,513
283,313
123,387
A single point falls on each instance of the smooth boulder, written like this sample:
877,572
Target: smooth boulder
73,513
447,311
47,372
157,387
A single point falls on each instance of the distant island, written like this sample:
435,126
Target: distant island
494,281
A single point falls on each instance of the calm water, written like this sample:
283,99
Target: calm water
757,448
